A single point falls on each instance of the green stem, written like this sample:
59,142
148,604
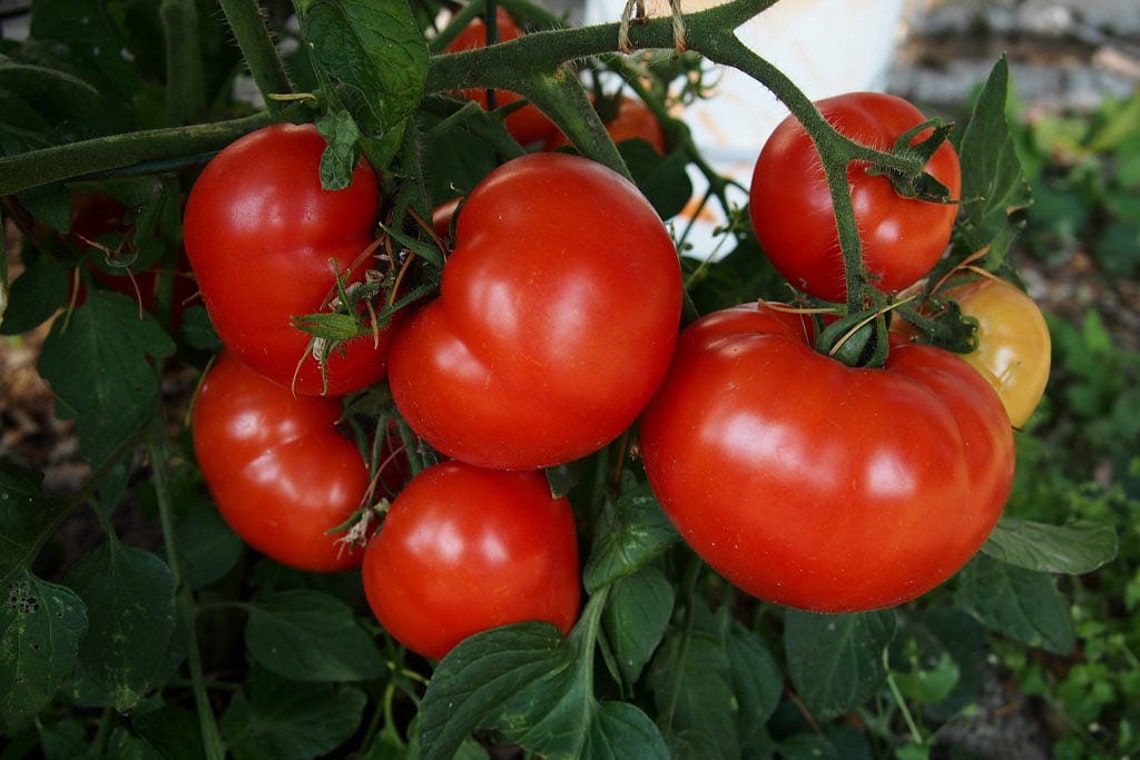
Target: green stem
103,154
900,701
185,80
103,732
689,592
835,150
585,633
207,725
258,50
562,97
3,265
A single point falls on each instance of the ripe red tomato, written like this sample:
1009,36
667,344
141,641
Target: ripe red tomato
815,485
527,124
464,549
280,472
263,239
557,315
633,121
793,217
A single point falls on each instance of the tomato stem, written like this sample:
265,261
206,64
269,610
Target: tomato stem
185,85
184,596
258,50
89,158
900,701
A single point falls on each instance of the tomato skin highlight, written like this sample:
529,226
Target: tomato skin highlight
556,319
814,485
280,472
793,217
464,549
260,232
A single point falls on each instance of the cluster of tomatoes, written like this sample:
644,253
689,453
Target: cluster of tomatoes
555,331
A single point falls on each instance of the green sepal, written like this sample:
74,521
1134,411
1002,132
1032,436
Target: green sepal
857,340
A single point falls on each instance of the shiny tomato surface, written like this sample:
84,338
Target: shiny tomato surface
464,549
557,315
811,484
266,243
281,473
792,213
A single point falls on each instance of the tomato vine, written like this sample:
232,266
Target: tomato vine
743,521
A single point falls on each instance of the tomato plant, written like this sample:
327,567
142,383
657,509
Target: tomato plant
464,549
639,595
280,472
556,318
268,244
793,215
824,487
526,123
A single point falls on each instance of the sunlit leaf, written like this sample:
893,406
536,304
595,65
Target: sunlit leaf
1074,549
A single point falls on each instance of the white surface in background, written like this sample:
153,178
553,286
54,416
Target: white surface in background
826,47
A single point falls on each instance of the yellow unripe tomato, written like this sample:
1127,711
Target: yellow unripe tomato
1014,349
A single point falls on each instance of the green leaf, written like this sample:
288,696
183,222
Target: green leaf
207,547
39,292
198,331
129,594
835,661
808,747
926,638
537,689
693,691
310,636
563,477
993,185
376,56
171,732
756,681
637,613
629,534
65,740
74,108
664,181
930,685
341,155
27,518
1075,549
98,364
283,720
94,47
425,250
480,673
41,626
1022,604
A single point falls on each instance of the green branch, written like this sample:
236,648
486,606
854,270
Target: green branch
114,152
185,79
257,48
